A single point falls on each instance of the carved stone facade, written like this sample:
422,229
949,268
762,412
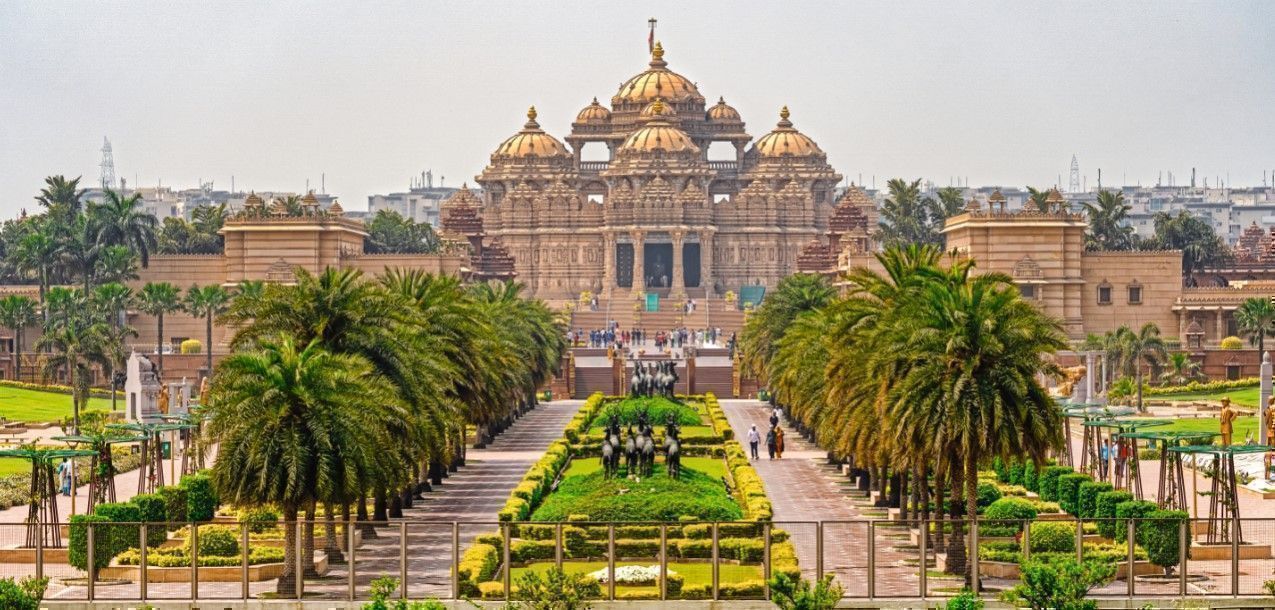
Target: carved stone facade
658,215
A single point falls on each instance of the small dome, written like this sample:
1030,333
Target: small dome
659,110
253,202
531,141
723,112
658,133
657,82
594,113
786,141
335,209
310,201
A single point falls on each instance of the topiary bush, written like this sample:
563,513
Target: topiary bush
1087,498
1001,469
119,537
1005,516
216,541
1031,477
201,499
1133,509
1105,511
1068,488
1231,342
1159,534
1016,473
154,513
1062,584
258,518
1053,537
987,493
1048,485
77,553
192,346
174,504
25,594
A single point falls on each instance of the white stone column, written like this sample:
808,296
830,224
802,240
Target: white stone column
639,262
1089,363
678,281
706,262
1221,325
608,263
1264,395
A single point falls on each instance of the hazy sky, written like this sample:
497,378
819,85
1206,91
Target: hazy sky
374,92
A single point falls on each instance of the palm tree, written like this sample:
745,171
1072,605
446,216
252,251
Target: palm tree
81,249
950,202
1136,349
61,197
208,219
795,295
75,346
207,302
295,427
1255,317
116,264
17,312
1180,369
974,350
158,299
111,301
35,255
1108,222
122,221
1038,198
905,217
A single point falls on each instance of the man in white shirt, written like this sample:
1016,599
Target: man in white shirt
753,440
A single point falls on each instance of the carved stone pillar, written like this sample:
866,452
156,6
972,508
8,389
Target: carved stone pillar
1182,316
639,262
1221,324
679,282
608,263
706,262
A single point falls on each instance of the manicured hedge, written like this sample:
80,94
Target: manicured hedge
1087,498
77,547
478,564
201,498
154,512
1048,485
1133,509
1013,510
174,497
1105,511
1031,477
1159,534
1053,537
1068,489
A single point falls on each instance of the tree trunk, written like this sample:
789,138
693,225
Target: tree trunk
1137,380
940,538
159,345
330,546
287,585
307,544
380,504
971,514
956,541
368,530
208,346
396,506
347,522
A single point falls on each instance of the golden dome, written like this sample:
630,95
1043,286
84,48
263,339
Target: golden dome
658,133
658,81
531,141
659,110
723,112
594,113
786,141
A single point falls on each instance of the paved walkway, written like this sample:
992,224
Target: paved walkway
803,489
473,494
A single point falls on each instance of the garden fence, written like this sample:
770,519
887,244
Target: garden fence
875,559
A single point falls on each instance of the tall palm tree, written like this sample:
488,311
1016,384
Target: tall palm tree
1108,222
17,313
116,264
974,351
795,295
81,249
36,255
906,218
207,302
159,299
122,221
208,219
1255,317
1039,199
61,197
111,302
75,346
295,426
1144,347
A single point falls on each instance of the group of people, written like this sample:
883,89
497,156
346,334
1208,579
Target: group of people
774,437
676,338
1113,454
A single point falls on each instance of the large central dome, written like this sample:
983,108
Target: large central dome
657,82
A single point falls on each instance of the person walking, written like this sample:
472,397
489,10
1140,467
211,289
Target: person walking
1104,458
64,476
754,438
774,418
779,442
770,443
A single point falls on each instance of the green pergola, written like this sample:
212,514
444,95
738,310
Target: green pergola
1171,493
191,424
1088,412
1224,505
42,516
1130,479
151,472
102,469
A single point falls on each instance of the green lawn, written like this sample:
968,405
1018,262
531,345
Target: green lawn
1247,397
31,405
10,466
699,493
713,467
1244,426
691,573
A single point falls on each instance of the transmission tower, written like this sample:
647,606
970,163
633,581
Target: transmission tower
108,165
1074,187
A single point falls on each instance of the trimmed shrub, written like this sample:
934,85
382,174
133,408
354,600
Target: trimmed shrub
174,504
1231,342
1087,497
1015,473
1133,509
1048,485
77,551
987,493
522,551
1105,511
1068,487
192,346
478,564
1014,511
1001,470
1031,477
1158,534
201,499
215,541
258,518
154,513
1053,537
22,595
119,537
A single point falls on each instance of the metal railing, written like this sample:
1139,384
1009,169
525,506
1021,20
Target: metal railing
870,559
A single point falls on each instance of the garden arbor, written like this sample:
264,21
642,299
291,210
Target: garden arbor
42,516
189,426
1172,492
102,468
1224,505
151,472
1092,441
1130,478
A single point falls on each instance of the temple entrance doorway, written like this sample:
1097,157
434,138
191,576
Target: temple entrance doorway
624,265
657,261
690,265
